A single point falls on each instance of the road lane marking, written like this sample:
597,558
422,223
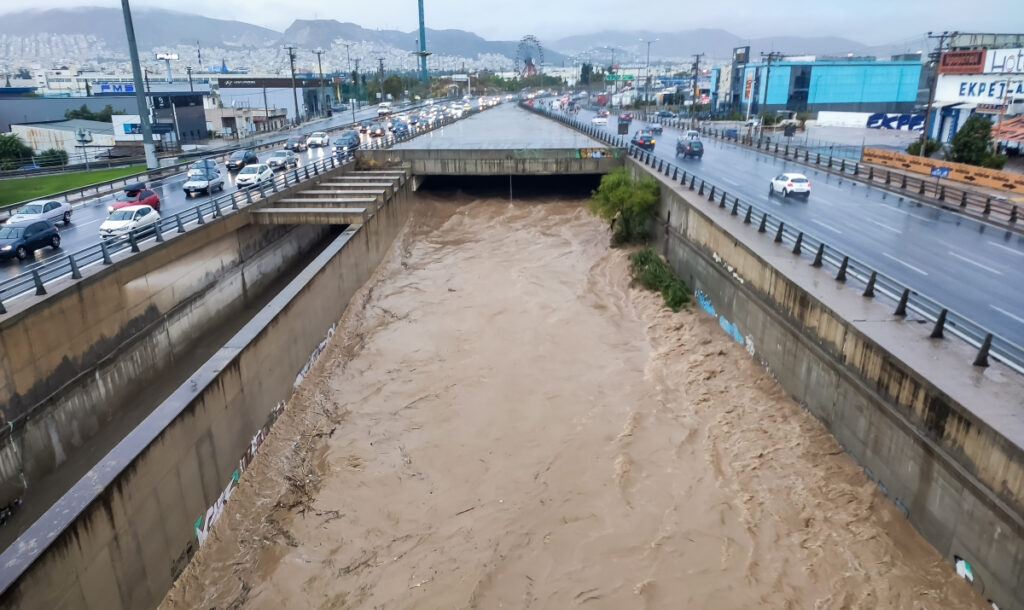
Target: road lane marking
975,263
827,226
1010,250
736,184
1006,313
884,226
907,265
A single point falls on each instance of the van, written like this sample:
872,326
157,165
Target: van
384,109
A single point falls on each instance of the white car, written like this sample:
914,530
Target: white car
283,159
318,138
54,211
788,184
384,109
203,182
138,218
253,175
599,120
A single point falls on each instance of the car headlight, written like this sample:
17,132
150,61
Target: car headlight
110,209
6,249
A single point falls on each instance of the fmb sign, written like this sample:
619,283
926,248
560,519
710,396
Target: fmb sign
116,87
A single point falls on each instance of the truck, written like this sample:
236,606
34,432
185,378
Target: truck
384,108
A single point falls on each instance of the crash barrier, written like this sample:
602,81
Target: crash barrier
105,251
940,318
221,154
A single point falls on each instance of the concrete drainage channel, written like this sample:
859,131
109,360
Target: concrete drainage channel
120,535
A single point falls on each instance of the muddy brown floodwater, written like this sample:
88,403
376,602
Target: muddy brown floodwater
503,421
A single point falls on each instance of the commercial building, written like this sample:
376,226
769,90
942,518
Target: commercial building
63,135
809,84
978,74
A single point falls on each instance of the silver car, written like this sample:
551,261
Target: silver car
283,159
54,211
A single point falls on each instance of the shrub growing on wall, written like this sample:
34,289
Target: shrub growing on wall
627,203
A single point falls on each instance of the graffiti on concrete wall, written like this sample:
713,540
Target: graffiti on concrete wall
729,327
205,521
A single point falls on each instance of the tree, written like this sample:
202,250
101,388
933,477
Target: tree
586,72
393,86
626,203
973,142
13,151
84,113
52,157
914,148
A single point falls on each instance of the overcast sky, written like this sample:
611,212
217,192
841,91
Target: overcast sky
866,21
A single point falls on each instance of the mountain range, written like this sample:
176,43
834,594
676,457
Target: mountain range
162,28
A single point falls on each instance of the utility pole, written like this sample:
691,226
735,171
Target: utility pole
295,94
266,109
188,70
422,53
380,78
323,94
774,55
647,81
140,94
693,102
934,57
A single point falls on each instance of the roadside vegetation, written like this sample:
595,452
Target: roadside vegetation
655,274
629,205
972,144
13,190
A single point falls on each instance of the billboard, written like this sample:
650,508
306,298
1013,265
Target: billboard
113,87
167,56
979,88
1005,61
741,55
269,83
962,62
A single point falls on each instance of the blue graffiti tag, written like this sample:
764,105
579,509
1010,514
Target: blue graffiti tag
731,328
705,303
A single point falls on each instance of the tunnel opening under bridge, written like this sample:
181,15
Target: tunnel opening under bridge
562,186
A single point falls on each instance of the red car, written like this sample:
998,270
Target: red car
135,194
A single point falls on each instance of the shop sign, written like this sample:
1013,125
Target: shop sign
962,62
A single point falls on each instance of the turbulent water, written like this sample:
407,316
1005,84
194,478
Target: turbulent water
503,421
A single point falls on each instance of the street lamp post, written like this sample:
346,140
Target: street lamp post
323,94
647,80
295,95
140,94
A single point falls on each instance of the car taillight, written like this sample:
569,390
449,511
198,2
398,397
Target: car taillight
808,185
790,185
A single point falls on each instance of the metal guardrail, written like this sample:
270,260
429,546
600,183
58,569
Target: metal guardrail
876,284
989,207
220,153
104,252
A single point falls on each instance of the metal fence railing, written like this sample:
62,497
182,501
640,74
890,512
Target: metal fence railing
107,251
846,267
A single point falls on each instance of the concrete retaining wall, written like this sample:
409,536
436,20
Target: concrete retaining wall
533,162
116,540
913,412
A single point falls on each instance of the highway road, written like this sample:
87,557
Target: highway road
87,216
971,267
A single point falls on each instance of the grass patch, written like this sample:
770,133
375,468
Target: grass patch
654,273
13,190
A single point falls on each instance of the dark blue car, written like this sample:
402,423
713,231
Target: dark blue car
20,239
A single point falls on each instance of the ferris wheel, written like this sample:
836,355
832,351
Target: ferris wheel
529,56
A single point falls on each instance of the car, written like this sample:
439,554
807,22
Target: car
282,159
689,148
599,120
378,130
52,210
692,134
644,140
626,117
664,114
346,142
318,138
384,108
239,159
252,175
19,239
135,194
202,166
399,129
31,166
789,184
654,128
752,122
134,218
414,119
466,106
296,144
341,107
365,126
206,182
603,113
